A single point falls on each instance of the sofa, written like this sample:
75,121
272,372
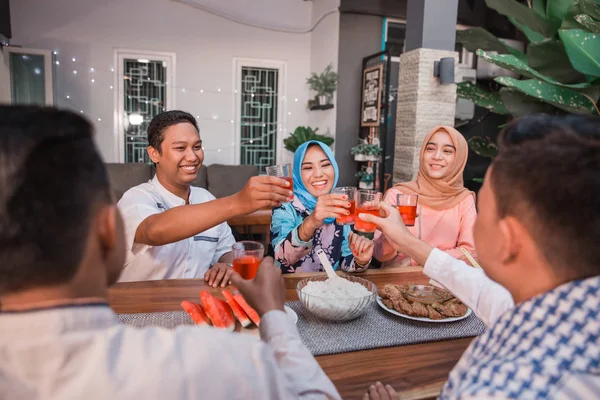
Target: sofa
221,180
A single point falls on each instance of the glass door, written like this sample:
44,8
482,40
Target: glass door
28,73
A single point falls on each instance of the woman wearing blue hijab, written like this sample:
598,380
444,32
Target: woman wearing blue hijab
307,223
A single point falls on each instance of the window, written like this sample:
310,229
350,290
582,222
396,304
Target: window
259,90
28,76
145,82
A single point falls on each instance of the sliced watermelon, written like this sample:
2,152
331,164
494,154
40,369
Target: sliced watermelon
195,312
239,313
218,311
249,310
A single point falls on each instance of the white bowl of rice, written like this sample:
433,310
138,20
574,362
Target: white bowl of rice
343,301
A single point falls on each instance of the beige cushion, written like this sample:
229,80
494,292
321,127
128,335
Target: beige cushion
225,180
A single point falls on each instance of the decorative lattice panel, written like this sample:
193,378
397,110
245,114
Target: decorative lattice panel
145,94
258,119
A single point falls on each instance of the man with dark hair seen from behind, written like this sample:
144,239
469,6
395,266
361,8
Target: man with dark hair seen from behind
538,235
61,246
176,230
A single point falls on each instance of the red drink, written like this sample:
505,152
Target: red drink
408,214
348,219
363,226
246,266
290,180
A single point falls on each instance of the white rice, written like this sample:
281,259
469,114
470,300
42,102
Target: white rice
343,289
332,300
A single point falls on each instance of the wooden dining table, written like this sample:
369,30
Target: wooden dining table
417,371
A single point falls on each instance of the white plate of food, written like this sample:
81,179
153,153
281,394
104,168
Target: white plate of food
424,303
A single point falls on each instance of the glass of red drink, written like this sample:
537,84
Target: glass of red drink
247,256
367,202
407,207
283,171
350,192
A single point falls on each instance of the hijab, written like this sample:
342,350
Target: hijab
308,200
444,193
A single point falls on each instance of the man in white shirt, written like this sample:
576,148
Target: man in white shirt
537,235
62,244
175,230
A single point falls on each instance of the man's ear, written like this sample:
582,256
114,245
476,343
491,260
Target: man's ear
154,154
512,231
106,222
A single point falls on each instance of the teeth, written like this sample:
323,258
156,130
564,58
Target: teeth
320,183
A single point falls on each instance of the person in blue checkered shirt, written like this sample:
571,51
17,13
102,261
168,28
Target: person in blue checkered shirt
538,236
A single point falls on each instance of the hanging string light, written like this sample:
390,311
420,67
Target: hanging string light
134,119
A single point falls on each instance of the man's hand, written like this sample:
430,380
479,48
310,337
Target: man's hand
218,274
397,234
262,192
332,205
266,291
362,248
380,392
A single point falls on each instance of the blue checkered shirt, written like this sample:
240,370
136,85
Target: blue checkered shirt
546,347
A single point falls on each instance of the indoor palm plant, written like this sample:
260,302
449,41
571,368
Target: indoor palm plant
324,84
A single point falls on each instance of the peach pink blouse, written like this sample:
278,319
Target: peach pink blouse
446,230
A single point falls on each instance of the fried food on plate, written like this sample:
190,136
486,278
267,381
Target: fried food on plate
422,301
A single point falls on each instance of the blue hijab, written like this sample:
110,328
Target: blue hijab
308,200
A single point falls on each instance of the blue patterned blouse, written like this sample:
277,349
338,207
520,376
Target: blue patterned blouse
293,254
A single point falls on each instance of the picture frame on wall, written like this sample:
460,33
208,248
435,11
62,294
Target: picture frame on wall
371,96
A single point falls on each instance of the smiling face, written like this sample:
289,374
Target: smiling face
180,156
318,174
439,155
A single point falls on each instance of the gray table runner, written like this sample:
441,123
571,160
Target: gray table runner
374,329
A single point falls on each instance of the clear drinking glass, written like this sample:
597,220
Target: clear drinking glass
247,256
407,207
367,202
350,192
283,171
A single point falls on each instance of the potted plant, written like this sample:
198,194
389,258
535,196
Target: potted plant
366,152
366,178
303,134
325,84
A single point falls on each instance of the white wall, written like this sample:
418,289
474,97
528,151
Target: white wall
204,44
324,46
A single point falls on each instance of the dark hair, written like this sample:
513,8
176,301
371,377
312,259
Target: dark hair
548,175
162,121
52,179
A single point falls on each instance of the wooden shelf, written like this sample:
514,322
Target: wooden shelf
325,107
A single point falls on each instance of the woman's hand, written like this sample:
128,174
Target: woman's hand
362,248
332,205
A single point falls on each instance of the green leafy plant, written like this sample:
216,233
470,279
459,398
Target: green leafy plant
560,72
325,83
303,134
364,176
483,146
366,149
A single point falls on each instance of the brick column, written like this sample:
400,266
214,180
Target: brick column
422,104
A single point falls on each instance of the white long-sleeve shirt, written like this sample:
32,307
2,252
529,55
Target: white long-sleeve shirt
83,352
488,299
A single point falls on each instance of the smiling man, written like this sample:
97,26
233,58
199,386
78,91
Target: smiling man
175,230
